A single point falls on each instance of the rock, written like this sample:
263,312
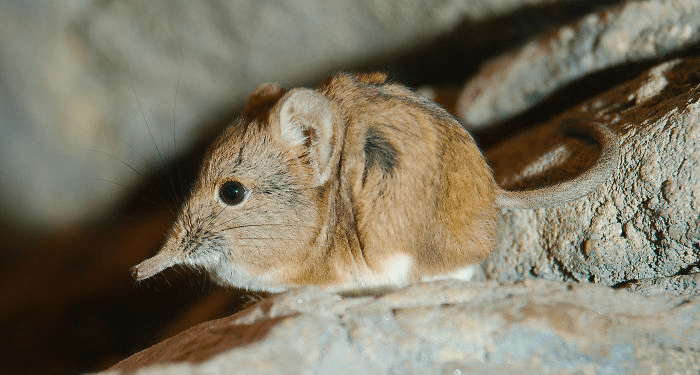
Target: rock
448,327
93,95
679,285
644,222
633,31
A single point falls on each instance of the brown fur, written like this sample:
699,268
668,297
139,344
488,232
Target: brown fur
341,182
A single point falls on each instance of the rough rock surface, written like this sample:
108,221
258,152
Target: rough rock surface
93,94
631,32
678,285
644,222
447,327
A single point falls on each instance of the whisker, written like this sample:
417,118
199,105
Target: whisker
213,218
114,157
164,202
291,228
180,181
270,238
253,246
171,189
177,87
205,282
227,222
143,115
177,269
160,203
187,220
268,225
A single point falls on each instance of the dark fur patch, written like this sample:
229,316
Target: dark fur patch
379,152
238,162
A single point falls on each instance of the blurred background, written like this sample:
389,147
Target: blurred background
107,106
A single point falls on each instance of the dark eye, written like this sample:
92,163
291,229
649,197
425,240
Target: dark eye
232,192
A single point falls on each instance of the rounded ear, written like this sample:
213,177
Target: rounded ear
263,98
376,78
308,121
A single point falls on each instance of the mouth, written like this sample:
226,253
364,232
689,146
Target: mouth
152,266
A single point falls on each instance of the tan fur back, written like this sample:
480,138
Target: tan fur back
417,182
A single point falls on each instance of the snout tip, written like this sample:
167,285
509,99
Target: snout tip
137,273
151,266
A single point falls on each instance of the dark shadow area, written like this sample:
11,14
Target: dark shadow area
566,97
70,303
455,56
572,95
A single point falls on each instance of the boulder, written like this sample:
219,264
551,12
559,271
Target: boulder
644,222
632,32
448,327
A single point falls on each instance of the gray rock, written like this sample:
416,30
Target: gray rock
631,32
644,222
679,285
447,327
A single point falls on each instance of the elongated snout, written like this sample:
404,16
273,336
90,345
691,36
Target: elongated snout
153,265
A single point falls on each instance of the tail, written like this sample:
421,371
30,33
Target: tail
581,185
